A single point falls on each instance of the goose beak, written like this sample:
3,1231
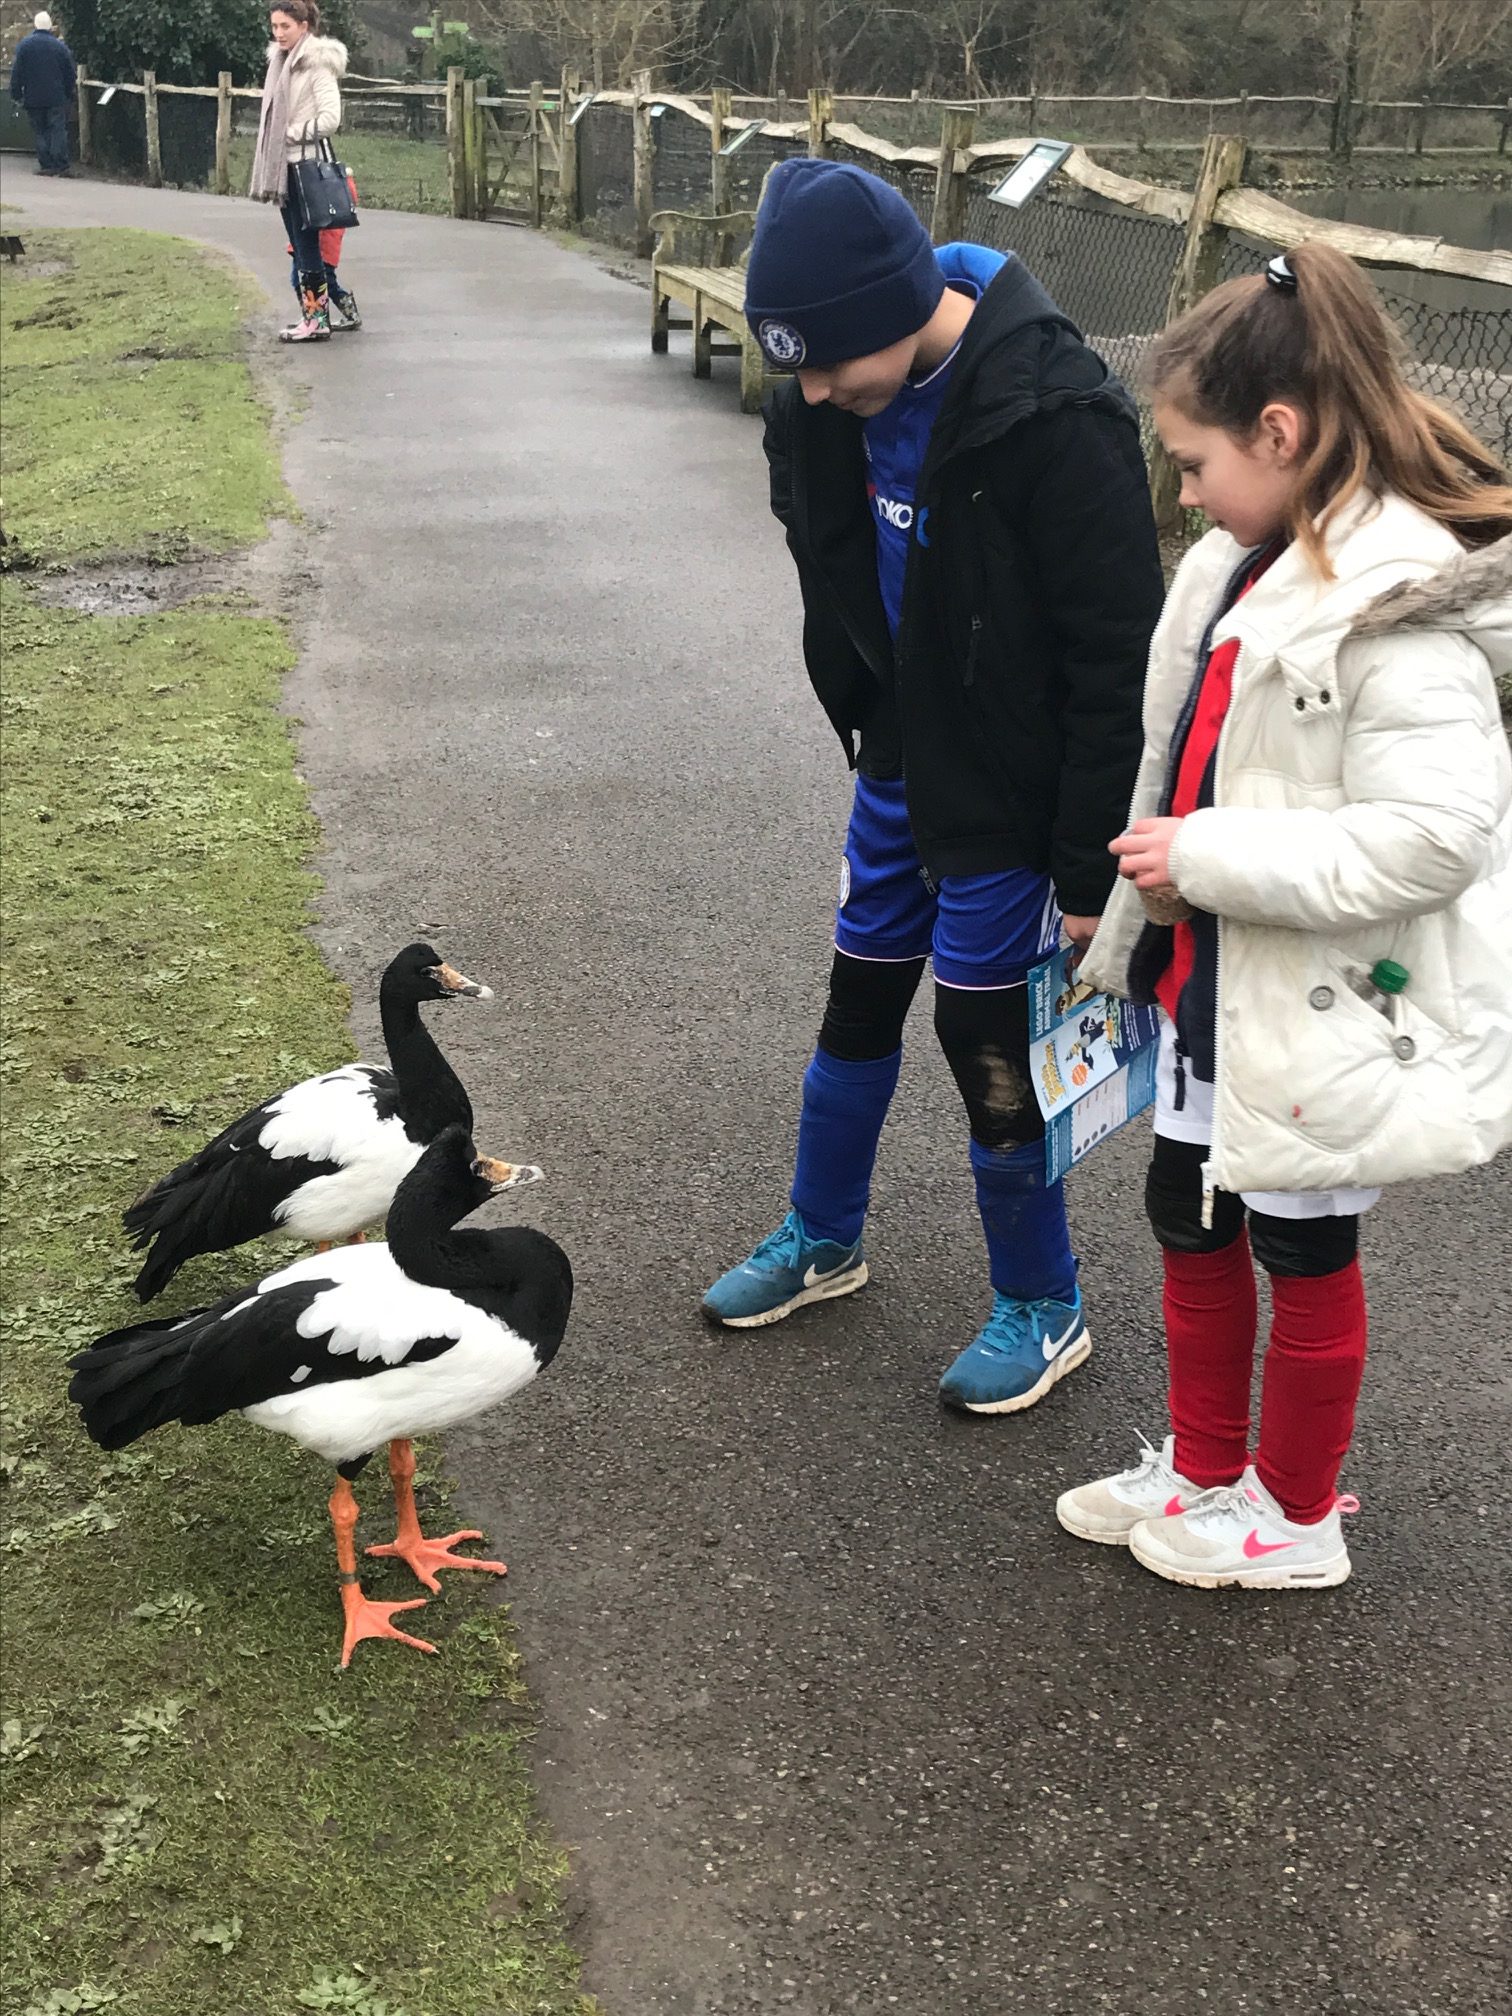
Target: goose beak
506,1175
452,982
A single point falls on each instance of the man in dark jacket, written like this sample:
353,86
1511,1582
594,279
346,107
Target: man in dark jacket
964,495
43,80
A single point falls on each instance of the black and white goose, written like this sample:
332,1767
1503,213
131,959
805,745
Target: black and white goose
322,1161
354,1348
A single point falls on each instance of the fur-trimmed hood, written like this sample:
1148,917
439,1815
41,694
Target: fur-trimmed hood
1473,594
324,51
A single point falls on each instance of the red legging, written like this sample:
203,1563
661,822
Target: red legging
1316,1357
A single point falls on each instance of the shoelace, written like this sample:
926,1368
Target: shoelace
1028,1317
782,1246
1237,1501
1151,1464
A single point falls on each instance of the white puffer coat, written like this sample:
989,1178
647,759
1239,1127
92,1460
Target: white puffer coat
1363,811
315,65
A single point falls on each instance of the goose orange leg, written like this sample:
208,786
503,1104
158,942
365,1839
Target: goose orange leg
409,1543
364,1618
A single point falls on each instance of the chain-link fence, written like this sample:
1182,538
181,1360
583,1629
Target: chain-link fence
1109,268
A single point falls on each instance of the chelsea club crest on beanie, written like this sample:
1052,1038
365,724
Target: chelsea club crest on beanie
840,266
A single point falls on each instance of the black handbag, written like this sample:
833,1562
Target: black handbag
325,194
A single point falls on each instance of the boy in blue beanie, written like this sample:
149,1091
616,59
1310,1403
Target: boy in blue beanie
964,495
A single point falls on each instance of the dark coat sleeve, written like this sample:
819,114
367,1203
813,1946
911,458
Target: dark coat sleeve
1083,515
845,684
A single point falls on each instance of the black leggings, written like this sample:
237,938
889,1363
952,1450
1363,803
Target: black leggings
983,1032
1295,1248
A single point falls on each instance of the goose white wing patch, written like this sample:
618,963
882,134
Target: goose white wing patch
330,1118
374,1310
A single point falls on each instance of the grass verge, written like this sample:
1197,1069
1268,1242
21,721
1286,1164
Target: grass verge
201,1813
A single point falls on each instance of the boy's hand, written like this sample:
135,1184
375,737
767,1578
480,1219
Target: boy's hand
1080,930
1144,852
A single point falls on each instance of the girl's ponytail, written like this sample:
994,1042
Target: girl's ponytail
1312,331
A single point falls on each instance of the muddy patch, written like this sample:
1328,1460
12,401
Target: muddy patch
263,581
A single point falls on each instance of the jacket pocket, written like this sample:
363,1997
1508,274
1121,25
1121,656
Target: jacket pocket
1356,1062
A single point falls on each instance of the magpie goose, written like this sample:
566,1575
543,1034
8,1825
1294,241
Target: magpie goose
321,1161
357,1347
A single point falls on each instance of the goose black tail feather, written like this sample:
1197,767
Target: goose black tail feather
226,1194
132,1381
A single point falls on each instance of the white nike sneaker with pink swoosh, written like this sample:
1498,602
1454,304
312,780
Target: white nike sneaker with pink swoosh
1108,1510
1239,1537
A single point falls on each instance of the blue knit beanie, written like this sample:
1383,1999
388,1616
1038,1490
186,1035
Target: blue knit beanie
840,266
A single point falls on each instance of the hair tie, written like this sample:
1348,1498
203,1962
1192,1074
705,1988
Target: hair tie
1280,274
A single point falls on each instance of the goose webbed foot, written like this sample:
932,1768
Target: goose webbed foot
364,1617
409,1543
367,1619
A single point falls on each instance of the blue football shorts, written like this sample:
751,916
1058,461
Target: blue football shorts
980,930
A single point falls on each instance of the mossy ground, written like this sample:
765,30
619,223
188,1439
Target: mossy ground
202,1813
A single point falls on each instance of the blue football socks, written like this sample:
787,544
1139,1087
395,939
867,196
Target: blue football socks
844,1106
1024,1217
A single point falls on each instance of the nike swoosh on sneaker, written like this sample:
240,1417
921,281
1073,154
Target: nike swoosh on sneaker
1175,1508
1051,1345
1254,1546
813,1277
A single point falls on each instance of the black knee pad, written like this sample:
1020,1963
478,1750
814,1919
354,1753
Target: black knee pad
1303,1249
868,1004
984,1033
1173,1201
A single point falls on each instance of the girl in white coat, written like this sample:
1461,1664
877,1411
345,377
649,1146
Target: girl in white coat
1316,885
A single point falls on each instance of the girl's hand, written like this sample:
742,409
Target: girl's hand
1144,852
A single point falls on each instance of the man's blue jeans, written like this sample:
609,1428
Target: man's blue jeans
49,124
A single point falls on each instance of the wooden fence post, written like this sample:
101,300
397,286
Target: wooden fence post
469,147
949,217
1419,126
1221,169
645,164
821,109
479,192
456,141
86,130
569,170
719,168
537,193
223,133
1506,127
154,135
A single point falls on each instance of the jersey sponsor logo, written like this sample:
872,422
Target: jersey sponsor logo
892,511
783,344
845,880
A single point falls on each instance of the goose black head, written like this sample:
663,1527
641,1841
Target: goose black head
452,1179
419,973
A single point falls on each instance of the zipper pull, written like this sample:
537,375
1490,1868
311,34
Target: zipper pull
968,677
1209,1196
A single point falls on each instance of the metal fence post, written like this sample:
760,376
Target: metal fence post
154,135
948,220
1221,169
223,133
645,164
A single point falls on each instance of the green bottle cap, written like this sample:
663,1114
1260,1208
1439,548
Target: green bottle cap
1388,976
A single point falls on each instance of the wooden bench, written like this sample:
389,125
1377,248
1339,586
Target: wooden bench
694,267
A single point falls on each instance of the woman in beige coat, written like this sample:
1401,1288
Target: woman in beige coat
301,105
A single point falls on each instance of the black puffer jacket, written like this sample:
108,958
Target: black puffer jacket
1011,700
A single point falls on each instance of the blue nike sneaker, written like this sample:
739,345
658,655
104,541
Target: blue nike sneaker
786,1270
1017,1356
